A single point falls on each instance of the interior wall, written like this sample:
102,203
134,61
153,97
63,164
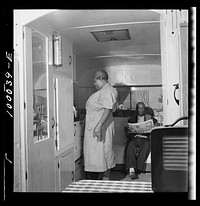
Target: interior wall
123,75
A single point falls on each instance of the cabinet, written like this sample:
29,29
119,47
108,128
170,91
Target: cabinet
79,169
78,139
78,149
63,96
64,170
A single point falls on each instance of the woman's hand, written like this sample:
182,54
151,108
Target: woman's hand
97,133
97,129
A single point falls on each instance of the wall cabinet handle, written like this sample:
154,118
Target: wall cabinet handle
53,122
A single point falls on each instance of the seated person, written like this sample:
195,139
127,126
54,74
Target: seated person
138,146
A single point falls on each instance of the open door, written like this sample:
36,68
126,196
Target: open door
171,69
173,79
39,132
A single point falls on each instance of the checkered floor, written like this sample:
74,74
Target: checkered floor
105,186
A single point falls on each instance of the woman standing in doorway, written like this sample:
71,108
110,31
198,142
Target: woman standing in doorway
99,129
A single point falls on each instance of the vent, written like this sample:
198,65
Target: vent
175,153
111,35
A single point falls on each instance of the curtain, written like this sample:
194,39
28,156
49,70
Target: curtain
122,94
141,96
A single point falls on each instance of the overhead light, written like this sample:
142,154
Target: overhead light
111,35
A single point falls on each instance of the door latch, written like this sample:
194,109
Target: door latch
54,122
176,87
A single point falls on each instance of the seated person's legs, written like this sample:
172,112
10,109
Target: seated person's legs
143,153
131,159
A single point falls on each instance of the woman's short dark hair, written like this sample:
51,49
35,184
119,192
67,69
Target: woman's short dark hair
104,74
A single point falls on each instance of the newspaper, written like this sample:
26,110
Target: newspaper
142,127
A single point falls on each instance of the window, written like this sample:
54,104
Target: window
151,96
39,74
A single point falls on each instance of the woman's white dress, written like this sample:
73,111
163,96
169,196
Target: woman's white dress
99,156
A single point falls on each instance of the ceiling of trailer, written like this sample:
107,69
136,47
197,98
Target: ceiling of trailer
143,26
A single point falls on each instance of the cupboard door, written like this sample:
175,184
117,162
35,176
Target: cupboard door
66,170
64,112
78,139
